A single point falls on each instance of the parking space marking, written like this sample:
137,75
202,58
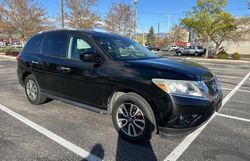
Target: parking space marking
233,117
218,69
70,146
181,148
228,76
240,90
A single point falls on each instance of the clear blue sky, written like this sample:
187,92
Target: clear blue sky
152,12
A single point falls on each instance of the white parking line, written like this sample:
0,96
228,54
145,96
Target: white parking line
228,76
240,90
180,149
233,117
70,146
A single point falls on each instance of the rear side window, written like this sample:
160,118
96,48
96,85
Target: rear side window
34,44
55,45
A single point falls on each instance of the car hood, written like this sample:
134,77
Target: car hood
172,69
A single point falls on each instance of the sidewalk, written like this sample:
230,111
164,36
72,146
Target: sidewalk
246,61
2,55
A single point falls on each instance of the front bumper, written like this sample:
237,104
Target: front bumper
189,113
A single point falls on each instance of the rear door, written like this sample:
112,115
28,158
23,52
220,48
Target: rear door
47,65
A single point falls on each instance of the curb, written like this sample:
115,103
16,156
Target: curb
9,57
220,60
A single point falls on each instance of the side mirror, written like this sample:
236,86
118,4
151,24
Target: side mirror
90,56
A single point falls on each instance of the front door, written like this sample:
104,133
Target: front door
82,82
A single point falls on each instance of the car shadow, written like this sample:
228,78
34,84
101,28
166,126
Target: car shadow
128,151
97,151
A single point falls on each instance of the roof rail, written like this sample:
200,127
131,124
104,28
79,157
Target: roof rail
43,31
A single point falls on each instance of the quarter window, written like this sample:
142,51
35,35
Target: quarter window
34,44
55,45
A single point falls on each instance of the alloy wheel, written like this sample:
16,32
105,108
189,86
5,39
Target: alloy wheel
131,120
31,89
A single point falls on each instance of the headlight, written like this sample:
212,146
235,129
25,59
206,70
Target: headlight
188,88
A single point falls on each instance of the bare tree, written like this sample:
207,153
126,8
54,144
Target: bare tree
243,29
177,33
80,15
25,16
119,19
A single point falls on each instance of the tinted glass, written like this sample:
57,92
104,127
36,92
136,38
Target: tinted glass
55,45
124,48
34,44
78,46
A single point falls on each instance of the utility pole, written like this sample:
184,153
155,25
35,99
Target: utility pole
143,37
169,16
158,35
135,18
62,13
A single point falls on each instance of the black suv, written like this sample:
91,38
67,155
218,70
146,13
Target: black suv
110,74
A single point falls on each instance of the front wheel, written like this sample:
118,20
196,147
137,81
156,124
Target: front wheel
179,53
133,118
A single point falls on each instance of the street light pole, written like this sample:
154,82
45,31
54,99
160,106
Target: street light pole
169,16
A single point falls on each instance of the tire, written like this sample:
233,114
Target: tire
196,54
141,111
33,91
179,53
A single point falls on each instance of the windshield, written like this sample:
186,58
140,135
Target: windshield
124,48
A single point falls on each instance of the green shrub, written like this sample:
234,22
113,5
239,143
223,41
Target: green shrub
222,55
236,56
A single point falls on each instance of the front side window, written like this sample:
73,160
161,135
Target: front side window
123,48
55,45
78,46
34,44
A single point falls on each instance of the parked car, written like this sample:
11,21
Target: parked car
110,74
170,48
191,50
153,48
17,45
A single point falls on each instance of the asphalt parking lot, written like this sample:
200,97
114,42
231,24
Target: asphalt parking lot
58,131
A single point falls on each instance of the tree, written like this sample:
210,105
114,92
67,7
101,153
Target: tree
210,22
248,4
119,19
80,15
25,17
151,37
177,33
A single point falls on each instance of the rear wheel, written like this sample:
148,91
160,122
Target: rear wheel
196,54
33,91
133,118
